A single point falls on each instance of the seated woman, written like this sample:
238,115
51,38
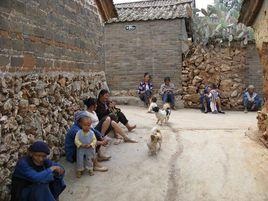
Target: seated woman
70,147
37,178
167,92
145,89
91,105
106,108
251,100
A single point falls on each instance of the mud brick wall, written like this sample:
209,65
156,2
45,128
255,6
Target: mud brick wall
153,47
50,35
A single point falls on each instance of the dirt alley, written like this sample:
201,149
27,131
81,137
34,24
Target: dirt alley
204,157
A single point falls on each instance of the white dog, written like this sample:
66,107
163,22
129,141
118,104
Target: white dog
162,115
155,141
152,105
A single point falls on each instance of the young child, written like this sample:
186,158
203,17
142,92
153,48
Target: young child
215,101
152,105
85,142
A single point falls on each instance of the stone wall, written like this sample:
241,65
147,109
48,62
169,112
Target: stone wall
231,68
154,47
50,35
39,106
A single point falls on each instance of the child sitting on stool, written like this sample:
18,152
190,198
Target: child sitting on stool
85,142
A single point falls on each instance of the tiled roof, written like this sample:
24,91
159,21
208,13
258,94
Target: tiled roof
152,10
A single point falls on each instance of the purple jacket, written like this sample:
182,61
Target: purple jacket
142,87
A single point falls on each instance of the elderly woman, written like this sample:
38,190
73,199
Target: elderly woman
145,89
70,148
37,178
251,100
107,108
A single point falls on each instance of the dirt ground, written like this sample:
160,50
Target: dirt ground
204,157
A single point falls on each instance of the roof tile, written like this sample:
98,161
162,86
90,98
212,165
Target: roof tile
151,10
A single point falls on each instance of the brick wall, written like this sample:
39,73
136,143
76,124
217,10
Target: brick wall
152,47
254,69
45,35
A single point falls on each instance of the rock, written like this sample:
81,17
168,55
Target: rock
191,90
62,82
225,68
8,105
196,80
196,72
234,94
35,101
23,103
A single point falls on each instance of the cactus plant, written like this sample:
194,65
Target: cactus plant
219,23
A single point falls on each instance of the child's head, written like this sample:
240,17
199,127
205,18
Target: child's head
85,124
154,99
214,86
91,103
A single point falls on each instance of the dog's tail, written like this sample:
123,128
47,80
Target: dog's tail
155,130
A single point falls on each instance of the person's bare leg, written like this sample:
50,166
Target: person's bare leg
105,125
130,128
118,130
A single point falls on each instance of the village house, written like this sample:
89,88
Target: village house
147,36
254,13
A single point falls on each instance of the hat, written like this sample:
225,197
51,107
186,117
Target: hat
251,86
79,115
40,146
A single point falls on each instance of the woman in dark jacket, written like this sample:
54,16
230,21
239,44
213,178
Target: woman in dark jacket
145,89
107,108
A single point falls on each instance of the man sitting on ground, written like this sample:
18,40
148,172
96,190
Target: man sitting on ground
251,100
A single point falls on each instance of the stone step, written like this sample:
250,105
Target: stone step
127,100
135,101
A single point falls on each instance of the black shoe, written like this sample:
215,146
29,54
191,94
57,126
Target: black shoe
221,112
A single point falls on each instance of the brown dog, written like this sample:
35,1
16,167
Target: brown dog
155,141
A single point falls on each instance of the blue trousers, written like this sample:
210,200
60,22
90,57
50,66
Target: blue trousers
43,192
168,98
252,106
